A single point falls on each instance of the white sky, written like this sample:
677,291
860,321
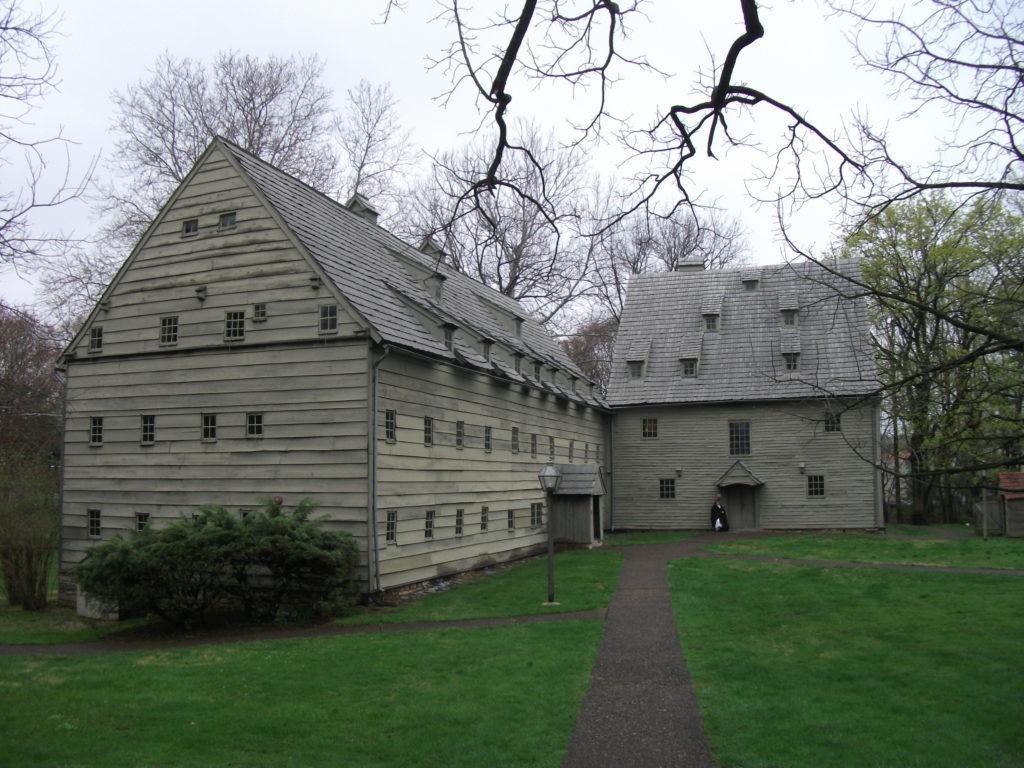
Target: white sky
107,44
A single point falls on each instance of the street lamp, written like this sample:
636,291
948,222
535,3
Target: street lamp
550,477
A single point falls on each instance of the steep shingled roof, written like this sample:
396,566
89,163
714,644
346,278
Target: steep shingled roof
743,360
388,281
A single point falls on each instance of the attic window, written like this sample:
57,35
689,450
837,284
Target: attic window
328,318
537,371
711,323
688,367
190,227
519,327
449,337
636,369
96,338
789,317
227,221
519,363
486,345
750,284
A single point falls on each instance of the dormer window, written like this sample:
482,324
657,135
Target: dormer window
518,363
711,323
635,368
750,285
449,337
688,366
519,327
485,346
537,371
227,221
790,317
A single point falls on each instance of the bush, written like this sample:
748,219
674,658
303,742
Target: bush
270,562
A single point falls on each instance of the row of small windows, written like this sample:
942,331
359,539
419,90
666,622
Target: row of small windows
739,432
429,438
254,424
190,227
234,325
689,366
430,522
94,522
815,486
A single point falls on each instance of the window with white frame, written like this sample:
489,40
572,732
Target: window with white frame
390,425
391,526
536,514
428,525
832,422
227,221
667,488
169,330
148,430
190,227
96,338
209,427
649,428
234,325
460,520
635,368
96,430
254,425
711,323
688,366
790,317
511,516
484,513
739,438
141,521
259,313
95,522
328,318
792,361
815,485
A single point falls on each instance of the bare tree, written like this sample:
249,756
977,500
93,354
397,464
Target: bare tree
275,108
536,255
28,71
376,149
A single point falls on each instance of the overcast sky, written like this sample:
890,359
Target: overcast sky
106,44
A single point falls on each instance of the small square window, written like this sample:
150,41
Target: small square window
148,436
190,227
169,330
815,485
391,526
487,439
711,323
428,430
484,512
96,430
511,519
390,425
96,339
227,221
95,522
209,431
649,428
833,422
689,367
789,317
636,369
141,521
514,442
234,325
329,318
259,313
750,285
254,425
460,521
428,525
792,360
739,438
536,514
667,488
460,434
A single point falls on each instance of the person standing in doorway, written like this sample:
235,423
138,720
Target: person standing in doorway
719,520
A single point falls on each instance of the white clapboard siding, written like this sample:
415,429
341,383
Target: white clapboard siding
692,447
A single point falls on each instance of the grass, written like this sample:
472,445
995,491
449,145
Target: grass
450,697
53,625
809,667
973,552
631,538
584,581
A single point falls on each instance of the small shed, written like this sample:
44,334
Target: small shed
1011,488
577,513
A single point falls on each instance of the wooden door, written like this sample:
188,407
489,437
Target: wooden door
740,506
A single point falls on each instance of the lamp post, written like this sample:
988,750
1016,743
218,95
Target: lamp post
550,477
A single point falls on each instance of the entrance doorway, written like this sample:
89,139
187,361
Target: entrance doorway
741,507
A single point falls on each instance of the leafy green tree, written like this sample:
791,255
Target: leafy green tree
941,276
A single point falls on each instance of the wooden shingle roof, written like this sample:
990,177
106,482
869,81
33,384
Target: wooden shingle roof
393,285
744,359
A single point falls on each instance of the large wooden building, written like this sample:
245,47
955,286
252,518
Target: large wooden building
263,339
756,384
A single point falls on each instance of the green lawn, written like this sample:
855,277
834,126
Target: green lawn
450,697
809,667
971,552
